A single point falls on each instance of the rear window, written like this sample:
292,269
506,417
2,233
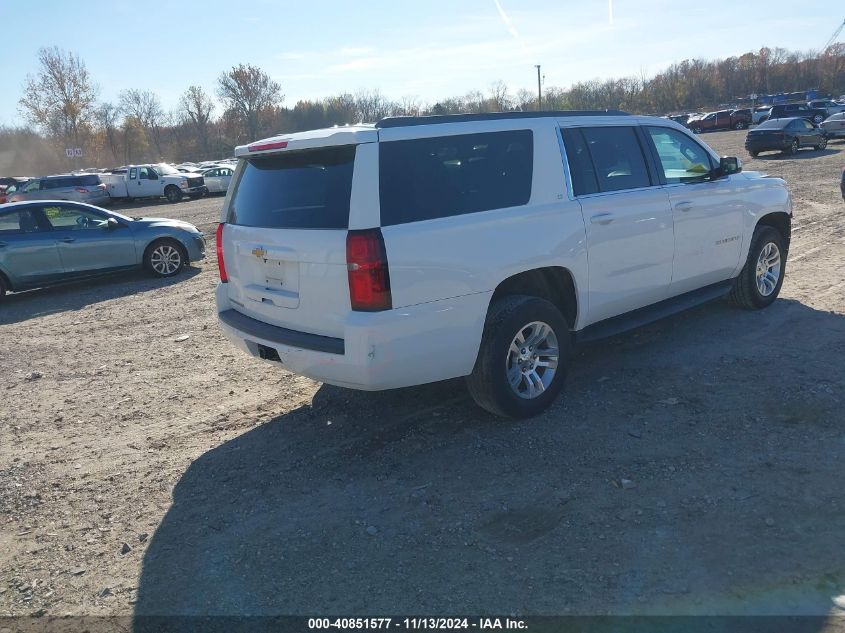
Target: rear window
438,177
88,180
308,189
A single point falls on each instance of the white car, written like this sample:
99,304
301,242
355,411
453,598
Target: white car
217,180
419,249
834,126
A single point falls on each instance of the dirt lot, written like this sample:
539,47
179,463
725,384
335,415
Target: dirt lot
145,472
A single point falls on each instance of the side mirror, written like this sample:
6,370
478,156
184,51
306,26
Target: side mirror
729,165
111,224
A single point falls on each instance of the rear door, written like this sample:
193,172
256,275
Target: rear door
85,241
212,180
28,252
285,235
628,219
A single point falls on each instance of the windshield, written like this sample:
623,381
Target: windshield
166,170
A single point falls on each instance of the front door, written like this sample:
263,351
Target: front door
86,242
627,217
707,211
28,252
149,184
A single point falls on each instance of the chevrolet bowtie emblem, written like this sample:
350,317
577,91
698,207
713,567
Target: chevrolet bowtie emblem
259,252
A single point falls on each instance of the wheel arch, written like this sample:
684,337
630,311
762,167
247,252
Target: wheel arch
7,281
556,284
164,238
781,222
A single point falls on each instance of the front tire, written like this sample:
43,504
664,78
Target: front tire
523,358
172,193
822,144
165,258
793,148
3,288
760,281
754,154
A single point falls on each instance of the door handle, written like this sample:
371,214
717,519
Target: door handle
602,218
68,240
684,206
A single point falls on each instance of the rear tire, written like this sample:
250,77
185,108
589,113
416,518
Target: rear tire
172,193
818,119
519,382
754,154
750,290
165,258
739,125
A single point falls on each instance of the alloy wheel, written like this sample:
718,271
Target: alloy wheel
166,259
768,269
532,360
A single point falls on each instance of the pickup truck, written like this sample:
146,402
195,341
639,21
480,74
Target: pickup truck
797,110
153,181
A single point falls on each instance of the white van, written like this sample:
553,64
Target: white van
419,249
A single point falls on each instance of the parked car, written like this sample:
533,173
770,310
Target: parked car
760,114
721,120
154,181
6,191
741,118
830,107
217,180
384,256
834,126
6,181
784,135
50,241
679,118
87,188
790,110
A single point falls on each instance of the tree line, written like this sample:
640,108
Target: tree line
61,106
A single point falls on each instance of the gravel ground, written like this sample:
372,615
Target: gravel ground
144,472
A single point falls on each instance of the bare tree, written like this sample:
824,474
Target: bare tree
198,106
107,116
248,92
60,97
145,107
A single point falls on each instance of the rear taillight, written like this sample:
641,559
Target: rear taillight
369,280
221,264
81,190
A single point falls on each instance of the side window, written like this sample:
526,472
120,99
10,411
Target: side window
617,158
32,185
144,174
64,218
581,168
807,124
18,222
133,173
681,158
438,177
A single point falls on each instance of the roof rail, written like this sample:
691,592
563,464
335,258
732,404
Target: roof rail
405,121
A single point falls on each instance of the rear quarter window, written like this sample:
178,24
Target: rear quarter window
423,179
308,189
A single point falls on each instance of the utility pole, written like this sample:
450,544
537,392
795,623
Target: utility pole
539,89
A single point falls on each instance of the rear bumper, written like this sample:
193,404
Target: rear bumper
768,146
379,350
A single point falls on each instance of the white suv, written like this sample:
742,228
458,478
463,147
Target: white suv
425,248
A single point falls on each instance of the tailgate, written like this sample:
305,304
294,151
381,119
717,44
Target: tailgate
284,241
290,278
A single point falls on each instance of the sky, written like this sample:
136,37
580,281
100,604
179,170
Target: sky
426,49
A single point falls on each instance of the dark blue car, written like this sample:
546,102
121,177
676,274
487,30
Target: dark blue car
49,241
